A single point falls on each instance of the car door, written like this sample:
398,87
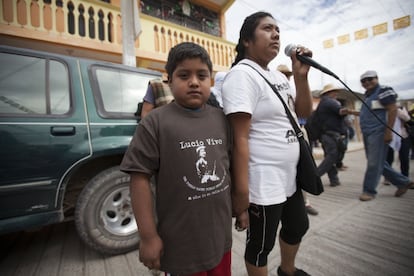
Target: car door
43,130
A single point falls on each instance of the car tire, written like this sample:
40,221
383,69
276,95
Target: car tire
103,215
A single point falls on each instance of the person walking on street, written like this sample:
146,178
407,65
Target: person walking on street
340,164
400,144
265,148
410,129
334,134
377,134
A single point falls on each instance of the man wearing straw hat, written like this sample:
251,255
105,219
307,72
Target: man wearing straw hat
332,114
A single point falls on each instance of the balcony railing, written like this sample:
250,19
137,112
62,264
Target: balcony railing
96,25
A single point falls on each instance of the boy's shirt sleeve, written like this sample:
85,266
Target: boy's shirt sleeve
142,154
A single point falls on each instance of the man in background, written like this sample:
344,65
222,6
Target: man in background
335,131
158,94
377,133
216,88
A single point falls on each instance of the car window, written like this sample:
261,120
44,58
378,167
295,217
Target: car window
59,88
120,91
33,86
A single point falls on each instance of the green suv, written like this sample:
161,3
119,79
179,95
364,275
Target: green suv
65,124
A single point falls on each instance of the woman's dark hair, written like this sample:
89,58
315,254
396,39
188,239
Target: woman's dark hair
183,51
247,32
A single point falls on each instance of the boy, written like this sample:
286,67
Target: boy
185,144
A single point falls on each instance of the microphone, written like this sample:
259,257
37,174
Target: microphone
291,49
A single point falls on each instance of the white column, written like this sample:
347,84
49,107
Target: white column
128,33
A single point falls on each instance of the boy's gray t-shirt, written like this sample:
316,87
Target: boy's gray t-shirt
188,152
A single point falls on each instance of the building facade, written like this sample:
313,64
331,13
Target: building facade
93,28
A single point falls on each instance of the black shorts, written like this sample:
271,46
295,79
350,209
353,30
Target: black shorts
264,221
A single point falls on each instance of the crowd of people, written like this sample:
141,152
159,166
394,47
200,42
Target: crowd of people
228,151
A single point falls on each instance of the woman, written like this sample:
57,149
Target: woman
265,148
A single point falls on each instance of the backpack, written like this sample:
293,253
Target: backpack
314,126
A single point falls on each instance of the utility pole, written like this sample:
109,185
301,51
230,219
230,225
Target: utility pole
131,28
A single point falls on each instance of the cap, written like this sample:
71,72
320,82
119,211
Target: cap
369,74
284,69
329,88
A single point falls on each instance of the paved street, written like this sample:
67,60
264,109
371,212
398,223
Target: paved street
348,237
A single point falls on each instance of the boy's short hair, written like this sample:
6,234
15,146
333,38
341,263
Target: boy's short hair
186,50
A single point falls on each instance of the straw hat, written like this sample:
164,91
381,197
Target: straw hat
284,69
329,88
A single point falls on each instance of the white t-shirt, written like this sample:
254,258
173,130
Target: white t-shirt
273,146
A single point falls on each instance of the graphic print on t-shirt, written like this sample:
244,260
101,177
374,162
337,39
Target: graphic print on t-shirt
291,136
205,179
204,170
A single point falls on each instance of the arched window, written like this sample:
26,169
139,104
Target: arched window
156,39
71,18
110,27
81,20
101,26
91,23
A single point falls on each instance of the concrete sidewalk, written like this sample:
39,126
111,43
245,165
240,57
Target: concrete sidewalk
348,237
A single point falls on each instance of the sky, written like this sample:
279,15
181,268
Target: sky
311,22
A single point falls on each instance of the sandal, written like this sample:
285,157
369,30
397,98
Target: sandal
298,272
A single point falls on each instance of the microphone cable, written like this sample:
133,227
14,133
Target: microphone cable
308,60
368,107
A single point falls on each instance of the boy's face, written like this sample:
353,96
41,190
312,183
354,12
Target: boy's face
190,83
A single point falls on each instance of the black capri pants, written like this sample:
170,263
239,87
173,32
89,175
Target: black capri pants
264,221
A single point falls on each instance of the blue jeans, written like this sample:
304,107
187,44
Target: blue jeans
376,152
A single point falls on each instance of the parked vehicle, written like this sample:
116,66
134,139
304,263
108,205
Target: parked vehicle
65,124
